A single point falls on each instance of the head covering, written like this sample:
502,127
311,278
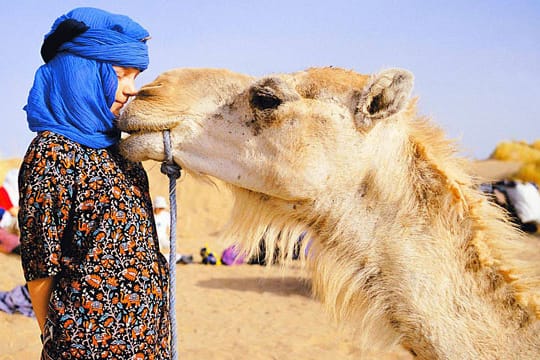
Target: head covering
160,202
74,90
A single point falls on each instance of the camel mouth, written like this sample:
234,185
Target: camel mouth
126,134
135,125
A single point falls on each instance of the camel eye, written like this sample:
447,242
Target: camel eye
264,99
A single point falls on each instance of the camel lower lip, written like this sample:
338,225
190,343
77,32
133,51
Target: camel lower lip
135,131
133,125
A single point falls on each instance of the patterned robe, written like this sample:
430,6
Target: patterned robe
86,220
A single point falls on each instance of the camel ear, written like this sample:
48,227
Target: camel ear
386,94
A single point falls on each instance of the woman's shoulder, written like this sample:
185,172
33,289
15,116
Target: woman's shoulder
49,149
50,141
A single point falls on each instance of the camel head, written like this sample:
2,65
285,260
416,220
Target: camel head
399,233
289,136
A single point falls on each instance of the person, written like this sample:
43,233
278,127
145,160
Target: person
89,247
162,217
9,192
521,201
9,199
9,241
525,199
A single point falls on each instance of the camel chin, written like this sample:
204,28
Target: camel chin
144,140
143,146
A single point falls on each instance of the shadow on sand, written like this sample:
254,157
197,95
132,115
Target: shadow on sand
283,286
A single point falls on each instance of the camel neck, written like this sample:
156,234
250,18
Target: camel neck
426,256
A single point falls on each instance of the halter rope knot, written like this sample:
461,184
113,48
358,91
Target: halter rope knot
169,167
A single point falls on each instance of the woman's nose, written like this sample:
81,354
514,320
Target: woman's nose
130,89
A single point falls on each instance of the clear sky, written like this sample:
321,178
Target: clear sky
476,63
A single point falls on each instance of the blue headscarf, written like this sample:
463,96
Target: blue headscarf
74,91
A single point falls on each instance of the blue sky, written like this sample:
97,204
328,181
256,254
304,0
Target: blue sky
476,63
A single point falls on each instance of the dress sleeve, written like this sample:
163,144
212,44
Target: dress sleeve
46,183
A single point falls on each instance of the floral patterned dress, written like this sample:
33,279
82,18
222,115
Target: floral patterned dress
86,220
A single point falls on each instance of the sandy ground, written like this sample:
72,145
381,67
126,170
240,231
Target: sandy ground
223,312
238,312
241,312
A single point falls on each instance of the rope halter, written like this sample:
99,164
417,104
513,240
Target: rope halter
173,171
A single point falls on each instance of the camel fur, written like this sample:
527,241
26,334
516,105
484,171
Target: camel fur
402,243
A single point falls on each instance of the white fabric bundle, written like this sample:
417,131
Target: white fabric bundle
526,200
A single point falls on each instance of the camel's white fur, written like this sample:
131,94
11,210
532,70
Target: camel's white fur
402,243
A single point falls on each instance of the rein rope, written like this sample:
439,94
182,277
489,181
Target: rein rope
172,170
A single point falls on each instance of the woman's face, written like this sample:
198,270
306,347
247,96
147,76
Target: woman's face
126,87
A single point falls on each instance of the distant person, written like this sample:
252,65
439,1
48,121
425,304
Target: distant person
9,202
9,242
521,201
8,220
525,199
9,206
9,192
162,217
98,284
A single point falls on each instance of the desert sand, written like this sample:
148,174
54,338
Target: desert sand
223,312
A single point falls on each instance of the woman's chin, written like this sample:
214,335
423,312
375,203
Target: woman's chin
116,108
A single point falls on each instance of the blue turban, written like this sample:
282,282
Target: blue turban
74,90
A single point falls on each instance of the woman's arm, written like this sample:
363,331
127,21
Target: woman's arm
40,294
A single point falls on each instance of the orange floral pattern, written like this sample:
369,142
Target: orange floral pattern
86,220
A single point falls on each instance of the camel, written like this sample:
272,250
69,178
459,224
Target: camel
402,245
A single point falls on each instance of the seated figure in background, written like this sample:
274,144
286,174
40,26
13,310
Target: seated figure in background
162,217
521,200
9,226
